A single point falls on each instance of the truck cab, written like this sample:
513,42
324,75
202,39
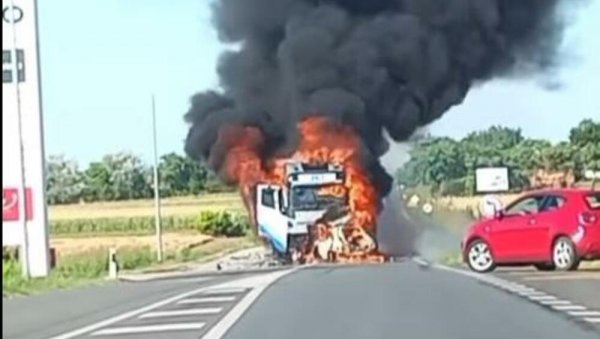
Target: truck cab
284,212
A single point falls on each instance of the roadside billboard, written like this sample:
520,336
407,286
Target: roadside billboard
492,179
23,148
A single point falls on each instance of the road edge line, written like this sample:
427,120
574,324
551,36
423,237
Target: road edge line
221,328
565,308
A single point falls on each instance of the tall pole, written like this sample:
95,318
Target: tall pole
22,191
159,243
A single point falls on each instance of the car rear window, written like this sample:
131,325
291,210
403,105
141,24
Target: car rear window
593,200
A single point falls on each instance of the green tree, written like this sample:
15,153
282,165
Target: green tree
97,183
64,180
180,175
495,137
586,133
129,179
118,176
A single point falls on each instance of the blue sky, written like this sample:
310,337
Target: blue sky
102,59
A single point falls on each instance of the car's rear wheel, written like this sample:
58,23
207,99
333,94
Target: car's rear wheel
564,255
479,257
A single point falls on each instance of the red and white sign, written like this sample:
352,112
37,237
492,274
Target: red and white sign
10,204
21,97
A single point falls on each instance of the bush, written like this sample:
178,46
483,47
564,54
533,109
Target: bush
455,187
222,224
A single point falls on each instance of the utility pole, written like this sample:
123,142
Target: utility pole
157,221
22,191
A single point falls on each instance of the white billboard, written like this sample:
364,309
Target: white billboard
491,179
21,94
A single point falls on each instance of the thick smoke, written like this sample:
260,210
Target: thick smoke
392,65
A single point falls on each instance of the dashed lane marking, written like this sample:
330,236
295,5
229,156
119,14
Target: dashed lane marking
231,290
542,298
574,311
259,284
205,300
569,308
555,302
103,327
181,313
149,329
127,315
585,313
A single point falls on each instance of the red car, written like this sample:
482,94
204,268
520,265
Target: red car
551,229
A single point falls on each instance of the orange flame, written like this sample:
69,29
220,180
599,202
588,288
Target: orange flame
322,141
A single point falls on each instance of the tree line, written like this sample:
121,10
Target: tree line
442,165
446,166
124,176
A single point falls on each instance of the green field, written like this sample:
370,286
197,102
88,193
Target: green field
195,229
182,206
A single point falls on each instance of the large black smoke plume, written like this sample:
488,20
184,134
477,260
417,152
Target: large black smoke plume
377,65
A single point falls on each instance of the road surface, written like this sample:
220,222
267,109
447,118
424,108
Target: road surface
582,286
44,316
398,300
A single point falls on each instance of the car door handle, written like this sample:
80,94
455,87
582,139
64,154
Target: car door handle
532,221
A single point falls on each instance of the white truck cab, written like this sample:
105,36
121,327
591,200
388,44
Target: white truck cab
283,213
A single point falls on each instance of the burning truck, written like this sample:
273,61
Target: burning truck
313,93
309,218
317,204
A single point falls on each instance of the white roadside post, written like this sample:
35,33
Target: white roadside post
24,214
113,264
157,221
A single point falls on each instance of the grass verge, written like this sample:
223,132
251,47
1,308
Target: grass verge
91,267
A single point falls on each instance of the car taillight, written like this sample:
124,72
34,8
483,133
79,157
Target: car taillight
588,218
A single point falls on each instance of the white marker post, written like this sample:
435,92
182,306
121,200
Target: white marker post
24,215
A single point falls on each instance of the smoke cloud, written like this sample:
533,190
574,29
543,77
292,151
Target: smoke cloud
382,66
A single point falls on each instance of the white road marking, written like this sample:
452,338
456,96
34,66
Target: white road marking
259,284
206,300
524,290
542,297
147,329
585,313
130,314
180,313
555,302
224,290
569,308
532,294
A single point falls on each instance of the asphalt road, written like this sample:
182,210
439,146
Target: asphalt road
46,315
397,301
582,286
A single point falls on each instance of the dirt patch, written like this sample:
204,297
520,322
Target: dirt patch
172,241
